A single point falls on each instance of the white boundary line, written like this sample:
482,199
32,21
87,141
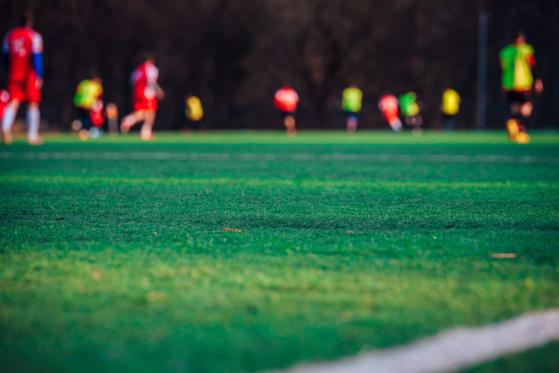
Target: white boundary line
167,156
451,350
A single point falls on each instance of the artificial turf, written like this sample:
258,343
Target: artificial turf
251,251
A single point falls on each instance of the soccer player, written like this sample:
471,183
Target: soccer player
286,100
22,51
146,94
352,102
89,101
517,65
450,107
194,111
388,105
411,111
112,117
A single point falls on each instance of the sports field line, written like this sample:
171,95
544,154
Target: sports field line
168,156
451,350
16,179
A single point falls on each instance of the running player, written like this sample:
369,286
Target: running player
112,117
411,111
517,65
388,105
22,49
450,107
88,100
193,111
286,100
146,94
352,102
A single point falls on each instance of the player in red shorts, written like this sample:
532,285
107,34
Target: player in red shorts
286,101
22,50
388,105
146,94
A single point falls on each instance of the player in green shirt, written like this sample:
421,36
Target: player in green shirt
518,82
411,111
352,102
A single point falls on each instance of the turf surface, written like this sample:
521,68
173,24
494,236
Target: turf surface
244,251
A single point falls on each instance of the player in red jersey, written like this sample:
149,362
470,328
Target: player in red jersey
146,94
286,101
388,105
22,51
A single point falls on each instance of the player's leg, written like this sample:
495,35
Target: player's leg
395,124
449,122
147,128
513,124
85,118
351,122
290,124
526,109
521,108
131,120
17,92
416,123
83,125
8,121
33,96
33,123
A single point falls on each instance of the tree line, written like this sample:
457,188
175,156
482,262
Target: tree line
235,53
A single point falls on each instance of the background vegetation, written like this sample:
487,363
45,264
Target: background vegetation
235,53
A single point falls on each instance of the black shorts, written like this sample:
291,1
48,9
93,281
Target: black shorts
84,115
195,125
351,115
519,97
285,114
448,116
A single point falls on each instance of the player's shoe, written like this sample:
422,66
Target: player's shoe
83,135
513,129
522,138
146,135
125,126
35,141
95,133
396,125
7,138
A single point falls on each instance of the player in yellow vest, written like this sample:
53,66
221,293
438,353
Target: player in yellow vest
194,111
89,102
518,82
352,102
450,108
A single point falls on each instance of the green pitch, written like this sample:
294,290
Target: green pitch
243,251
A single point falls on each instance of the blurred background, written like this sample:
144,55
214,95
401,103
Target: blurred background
235,53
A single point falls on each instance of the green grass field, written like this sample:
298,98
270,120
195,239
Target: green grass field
251,251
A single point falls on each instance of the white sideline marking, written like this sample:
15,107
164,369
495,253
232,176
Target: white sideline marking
166,156
451,350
